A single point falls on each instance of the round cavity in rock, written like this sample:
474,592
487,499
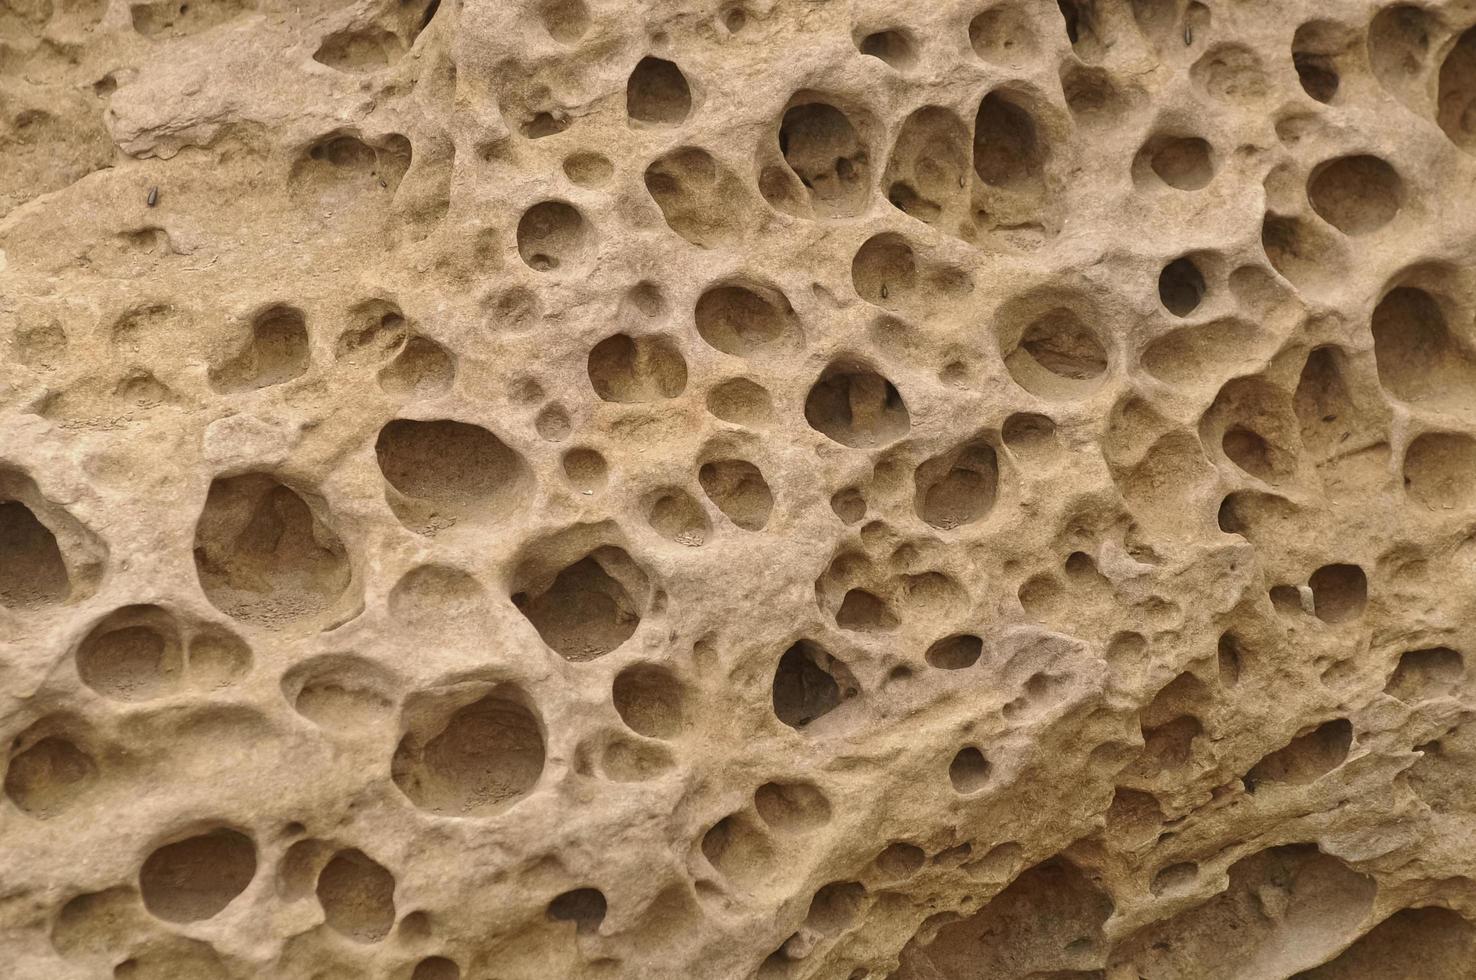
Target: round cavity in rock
649,700
198,877
565,20
884,270
657,93
1456,92
456,468
835,907
636,369
553,235
32,571
900,860
792,807
857,407
1440,471
1181,286
848,504
1008,151
739,320
585,611
676,516
133,654
266,554
824,150
809,683
1027,433
48,775
1004,35
895,47
957,652
585,470
741,402
1339,592
1314,47
957,487
436,968
585,907
357,895
340,692
486,757
1355,194
969,770
422,369
588,169
1056,356
553,423
1181,162
739,490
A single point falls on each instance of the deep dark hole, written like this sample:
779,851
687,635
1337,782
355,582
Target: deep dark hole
1072,16
1319,78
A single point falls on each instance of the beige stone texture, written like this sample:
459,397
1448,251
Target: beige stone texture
724,489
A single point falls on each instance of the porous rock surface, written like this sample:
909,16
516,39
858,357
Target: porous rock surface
521,489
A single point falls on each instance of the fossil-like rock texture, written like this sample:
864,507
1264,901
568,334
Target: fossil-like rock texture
706,489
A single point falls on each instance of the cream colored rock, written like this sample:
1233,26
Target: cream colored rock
538,489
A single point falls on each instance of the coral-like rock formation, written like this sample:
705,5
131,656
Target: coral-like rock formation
781,489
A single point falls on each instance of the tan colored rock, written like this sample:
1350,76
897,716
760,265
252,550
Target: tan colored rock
783,489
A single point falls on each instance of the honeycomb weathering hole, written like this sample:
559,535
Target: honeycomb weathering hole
657,93
268,555
1181,286
856,407
739,490
1440,470
436,968
1008,151
32,571
884,270
357,896
955,652
676,515
564,20
134,654
739,320
275,352
809,684
1424,674
586,609
442,469
554,235
472,759
824,151
1357,194
1003,34
649,700
1420,357
741,402
1054,354
792,808
340,692
636,369
1184,163
958,487
929,165
359,51
585,907
701,198
1457,93
198,877
895,47
48,771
